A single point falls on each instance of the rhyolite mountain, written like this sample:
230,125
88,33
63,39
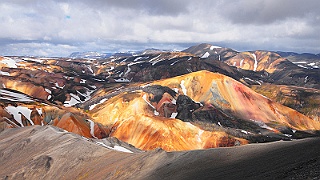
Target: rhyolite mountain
200,98
86,96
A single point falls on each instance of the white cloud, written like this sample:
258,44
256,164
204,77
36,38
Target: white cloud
57,27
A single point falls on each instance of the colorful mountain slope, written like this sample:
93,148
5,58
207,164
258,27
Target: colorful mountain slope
146,117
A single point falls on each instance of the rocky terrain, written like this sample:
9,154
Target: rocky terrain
151,104
46,152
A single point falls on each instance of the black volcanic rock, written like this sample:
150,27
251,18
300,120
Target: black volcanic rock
158,92
185,107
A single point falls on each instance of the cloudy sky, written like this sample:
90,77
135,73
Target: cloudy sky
60,27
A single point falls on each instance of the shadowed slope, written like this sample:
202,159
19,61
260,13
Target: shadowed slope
48,153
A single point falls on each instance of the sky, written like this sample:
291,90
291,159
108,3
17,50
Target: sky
60,27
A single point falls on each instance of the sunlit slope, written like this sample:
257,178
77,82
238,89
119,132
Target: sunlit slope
237,99
136,121
151,116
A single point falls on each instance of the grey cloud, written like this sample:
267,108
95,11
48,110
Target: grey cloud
151,7
266,12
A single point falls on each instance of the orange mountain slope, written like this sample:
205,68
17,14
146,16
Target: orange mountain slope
232,96
146,118
136,121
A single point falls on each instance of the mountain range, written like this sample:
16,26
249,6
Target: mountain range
158,104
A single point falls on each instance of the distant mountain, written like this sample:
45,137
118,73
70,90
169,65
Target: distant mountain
215,52
97,55
89,55
289,70
305,60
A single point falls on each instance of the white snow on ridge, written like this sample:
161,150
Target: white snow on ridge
144,97
12,96
122,80
57,85
4,73
300,62
34,60
91,128
116,147
241,62
128,70
262,124
90,69
48,90
174,115
74,99
39,111
135,62
9,62
255,62
174,62
199,135
82,81
17,111
205,55
214,47
302,66
94,105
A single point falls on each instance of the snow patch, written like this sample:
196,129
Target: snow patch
184,90
241,62
144,97
73,100
116,147
12,96
214,47
174,62
4,73
205,55
57,85
100,102
199,135
255,62
9,62
128,70
48,90
122,80
174,115
39,111
34,60
90,69
91,128
262,124
17,111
